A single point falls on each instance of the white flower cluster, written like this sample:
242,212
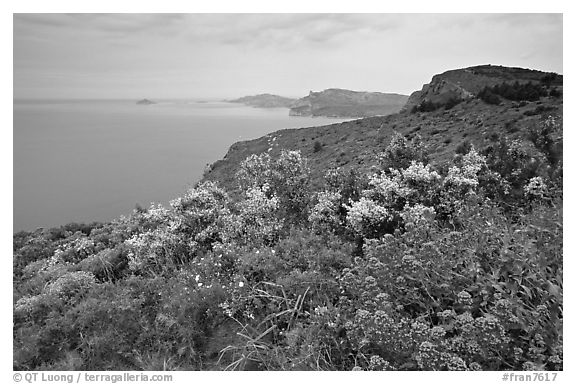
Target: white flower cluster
289,170
204,199
418,215
376,206
71,283
156,214
84,245
258,218
254,170
291,166
516,150
364,214
536,188
466,176
417,179
325,212
385,189
419,174
27,304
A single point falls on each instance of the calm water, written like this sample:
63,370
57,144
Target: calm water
89,161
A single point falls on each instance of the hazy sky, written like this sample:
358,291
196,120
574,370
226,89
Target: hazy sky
229,55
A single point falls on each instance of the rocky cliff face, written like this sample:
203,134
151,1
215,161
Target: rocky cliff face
344,103
463,84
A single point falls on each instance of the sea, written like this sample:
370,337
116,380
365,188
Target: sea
95,160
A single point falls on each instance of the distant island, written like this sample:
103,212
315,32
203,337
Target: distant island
145,102
336,102
265,100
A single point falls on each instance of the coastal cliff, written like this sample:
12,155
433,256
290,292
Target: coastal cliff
345,103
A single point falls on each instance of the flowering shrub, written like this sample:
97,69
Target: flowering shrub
287,177
258,220
195,221
326,213
401,152
72,286
536,188
368,218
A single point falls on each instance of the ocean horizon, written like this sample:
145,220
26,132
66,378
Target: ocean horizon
85,160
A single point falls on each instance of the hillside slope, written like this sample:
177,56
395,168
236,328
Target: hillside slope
355,144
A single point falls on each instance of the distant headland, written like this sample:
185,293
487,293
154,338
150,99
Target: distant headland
145,102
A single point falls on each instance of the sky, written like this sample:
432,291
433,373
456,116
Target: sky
212,56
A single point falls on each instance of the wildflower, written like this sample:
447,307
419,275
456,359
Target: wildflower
437,332
455,363
465,298
475,366
379,364
426,346
448,313
529,366
536,188
418,214
555,359
321,310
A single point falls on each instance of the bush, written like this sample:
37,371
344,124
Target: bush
401,152
488,96
426,106
516,92
317,146
463,148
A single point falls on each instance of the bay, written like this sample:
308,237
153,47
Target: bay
94,160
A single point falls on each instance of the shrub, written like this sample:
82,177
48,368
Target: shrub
488,96
400,152
426,106
317,146
288,178
463,148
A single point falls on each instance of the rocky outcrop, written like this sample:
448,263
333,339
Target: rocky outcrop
466,83
345,103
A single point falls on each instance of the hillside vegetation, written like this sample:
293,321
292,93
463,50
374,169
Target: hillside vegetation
429,240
